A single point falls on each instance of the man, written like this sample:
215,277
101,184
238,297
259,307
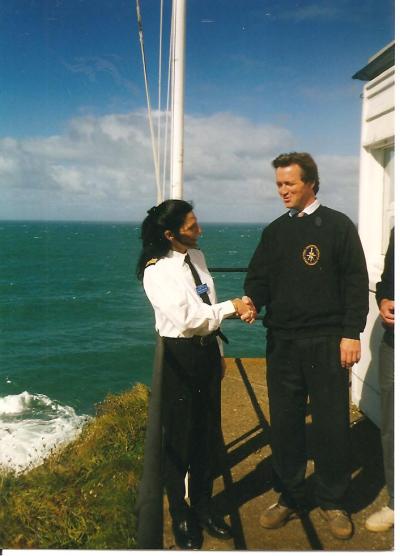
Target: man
383,519
188,318
309,272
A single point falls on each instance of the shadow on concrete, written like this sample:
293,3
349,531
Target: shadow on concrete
367,463
255,483
366,466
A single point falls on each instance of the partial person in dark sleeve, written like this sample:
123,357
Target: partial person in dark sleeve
309,272
383,519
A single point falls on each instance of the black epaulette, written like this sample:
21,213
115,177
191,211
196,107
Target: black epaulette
151,261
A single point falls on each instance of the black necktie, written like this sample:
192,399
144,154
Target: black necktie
204,296
197,281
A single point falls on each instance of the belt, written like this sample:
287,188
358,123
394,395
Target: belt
201,340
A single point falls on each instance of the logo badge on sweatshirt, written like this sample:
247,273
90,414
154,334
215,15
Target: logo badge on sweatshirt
311,255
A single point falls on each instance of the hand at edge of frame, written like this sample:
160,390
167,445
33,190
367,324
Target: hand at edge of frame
386,311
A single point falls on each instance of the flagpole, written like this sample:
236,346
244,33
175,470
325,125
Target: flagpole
177,100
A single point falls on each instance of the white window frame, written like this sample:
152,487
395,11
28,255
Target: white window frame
388,160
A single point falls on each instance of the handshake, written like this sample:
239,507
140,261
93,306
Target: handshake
245,309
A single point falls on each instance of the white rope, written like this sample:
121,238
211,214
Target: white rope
159,85
149,114
172,55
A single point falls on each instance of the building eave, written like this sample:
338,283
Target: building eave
380,62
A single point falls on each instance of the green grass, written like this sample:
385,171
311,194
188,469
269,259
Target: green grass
83,495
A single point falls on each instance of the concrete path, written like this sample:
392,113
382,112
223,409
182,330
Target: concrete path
244,489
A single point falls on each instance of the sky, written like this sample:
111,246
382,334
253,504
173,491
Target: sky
262,77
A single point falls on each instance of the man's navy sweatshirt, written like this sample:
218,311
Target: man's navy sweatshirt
310,274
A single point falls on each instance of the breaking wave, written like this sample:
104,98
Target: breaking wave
31,426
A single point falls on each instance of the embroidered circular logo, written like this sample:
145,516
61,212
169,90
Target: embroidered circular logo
311,255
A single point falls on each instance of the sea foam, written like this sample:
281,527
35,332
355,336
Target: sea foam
31,425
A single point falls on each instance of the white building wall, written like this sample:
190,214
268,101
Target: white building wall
376,218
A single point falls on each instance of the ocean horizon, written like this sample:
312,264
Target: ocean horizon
76,324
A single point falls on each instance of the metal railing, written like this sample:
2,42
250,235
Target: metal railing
227,269
149,505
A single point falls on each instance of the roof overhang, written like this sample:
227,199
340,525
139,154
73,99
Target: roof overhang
381,61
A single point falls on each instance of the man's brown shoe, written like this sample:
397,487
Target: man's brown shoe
339,523
276,516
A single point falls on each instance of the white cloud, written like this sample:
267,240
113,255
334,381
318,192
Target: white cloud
92,66
339,183
102,168
325,11
328,94
321,11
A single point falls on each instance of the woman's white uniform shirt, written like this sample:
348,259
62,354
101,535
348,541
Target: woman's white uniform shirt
179,310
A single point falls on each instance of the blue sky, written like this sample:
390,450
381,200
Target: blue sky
262,77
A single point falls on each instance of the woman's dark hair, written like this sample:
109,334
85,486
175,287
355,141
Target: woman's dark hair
169,215
307,164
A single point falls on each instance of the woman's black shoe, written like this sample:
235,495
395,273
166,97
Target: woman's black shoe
216,527
187,534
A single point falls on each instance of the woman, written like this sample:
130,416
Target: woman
188,318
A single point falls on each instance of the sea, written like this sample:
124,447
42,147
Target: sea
75,324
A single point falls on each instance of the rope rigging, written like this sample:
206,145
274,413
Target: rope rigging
156,142
155,148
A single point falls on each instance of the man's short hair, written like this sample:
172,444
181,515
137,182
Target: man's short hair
309,170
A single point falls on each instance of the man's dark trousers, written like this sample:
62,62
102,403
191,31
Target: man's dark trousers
296,369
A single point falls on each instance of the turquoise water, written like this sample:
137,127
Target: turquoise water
75,323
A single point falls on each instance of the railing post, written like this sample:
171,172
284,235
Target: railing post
149,506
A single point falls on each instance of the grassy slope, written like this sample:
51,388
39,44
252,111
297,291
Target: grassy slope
83,496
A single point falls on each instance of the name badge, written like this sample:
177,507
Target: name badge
202,288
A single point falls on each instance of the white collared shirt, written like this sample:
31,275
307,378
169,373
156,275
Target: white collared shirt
179,310
308,210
